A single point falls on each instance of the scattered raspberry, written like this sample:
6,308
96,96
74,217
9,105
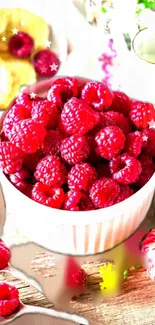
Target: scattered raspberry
25,100
32,160
125,169
148,169
121,103
51,171
104,192
115,119
125,193
21,45
46,195
141,114
20,179
110,141
11,158
133,144
148,242
72,199
80,278
45,112
28,135
62,90
75,276
103,170
78,117
81,176
9,299
149,134
16,114
75,149
5,255
97,95
52,141
46,63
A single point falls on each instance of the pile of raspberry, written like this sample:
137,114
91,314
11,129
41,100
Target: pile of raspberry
82,148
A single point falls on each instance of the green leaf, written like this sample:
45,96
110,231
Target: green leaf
104,10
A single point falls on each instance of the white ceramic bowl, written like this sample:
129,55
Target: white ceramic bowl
76,233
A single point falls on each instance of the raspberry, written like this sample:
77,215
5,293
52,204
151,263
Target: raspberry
51,171
121,103
46,195
46,63
85,203
28,135
141,114
78,117
148,242
81,176
21,45
97,95
148,169
62,90
125,193
115,119
9,299
104,192
133,144
16,114
80,278
110,141
51,144
45,112
25,100
149,134
32,160
20,179
5,255
72,199
11,158
125,169
75,149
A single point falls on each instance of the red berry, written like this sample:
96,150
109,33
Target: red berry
46,195
110,142
5,255
104,192
97,95
32,159
148,169
52,141
148,242
16,114
21,45
75,149
125,169
115,119
62,90
141,114
149,135
72,199
28,135
133,144
45,112
81,176
121,103
75,276
25,100
20,179
80,278
78,117
125,192
85,203
9,299
51,171
46,63
11,158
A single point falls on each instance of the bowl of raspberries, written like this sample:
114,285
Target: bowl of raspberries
77,164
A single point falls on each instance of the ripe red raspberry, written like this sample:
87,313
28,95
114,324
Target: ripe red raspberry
148,169
81,176
31,160
110,142
21,45
75,149
80,278
16,114
28,135
45,112
141,114
5,255
112,118
9,299
62,90
25,100
51,171
97,95
20,179
104,192
72,199
11,158
125,192
46,195
51,144
133,144
125,169
78,117
103,170
46,63
148,242
121,103
149,146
